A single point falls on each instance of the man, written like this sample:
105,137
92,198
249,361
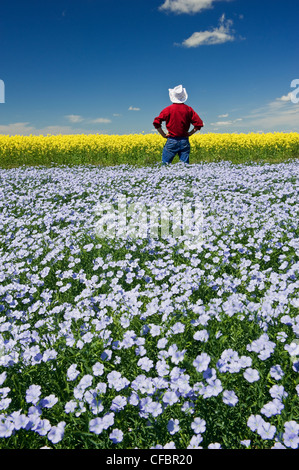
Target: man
178,117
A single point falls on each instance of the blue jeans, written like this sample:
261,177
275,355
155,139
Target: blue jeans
173,146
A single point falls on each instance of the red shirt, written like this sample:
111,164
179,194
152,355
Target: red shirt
178,118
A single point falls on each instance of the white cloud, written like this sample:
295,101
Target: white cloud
23,128
26,128
285,97
100,120
219,35
223,115
281,104
278,115
133,109
225,123
17,128
187,6
74,118
221,123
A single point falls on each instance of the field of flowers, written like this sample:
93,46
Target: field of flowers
143,149
142,343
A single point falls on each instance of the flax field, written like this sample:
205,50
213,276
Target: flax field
146,342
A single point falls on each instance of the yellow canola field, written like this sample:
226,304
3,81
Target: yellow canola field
141,148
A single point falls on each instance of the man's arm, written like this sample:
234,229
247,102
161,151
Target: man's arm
196,121
158,122
160,130
195,129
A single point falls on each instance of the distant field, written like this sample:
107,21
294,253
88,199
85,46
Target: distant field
143,149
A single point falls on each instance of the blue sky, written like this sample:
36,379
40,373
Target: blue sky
105,66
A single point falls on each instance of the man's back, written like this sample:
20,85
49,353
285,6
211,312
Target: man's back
178,117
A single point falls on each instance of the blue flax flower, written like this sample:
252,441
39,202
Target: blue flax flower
42,427
173,426
178,328
97,425
201,362
155,329
198,425
213,388
20,420
266,430
195,441
178,356
291,434
162,368
169,398
201,335
134,399
251,375
145,363
246,442
33,394
49,401
85,382
116,436
170,445
2,377
57,432
278,445
72,372
276,372
115,380
230,398
144,405
118,403
70,406
98,369
162,343
155,409
254,421
278,391
6,427
272,408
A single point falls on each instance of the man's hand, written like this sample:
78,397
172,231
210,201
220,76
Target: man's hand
192,132
160,130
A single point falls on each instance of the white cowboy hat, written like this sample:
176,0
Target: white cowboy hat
178,94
